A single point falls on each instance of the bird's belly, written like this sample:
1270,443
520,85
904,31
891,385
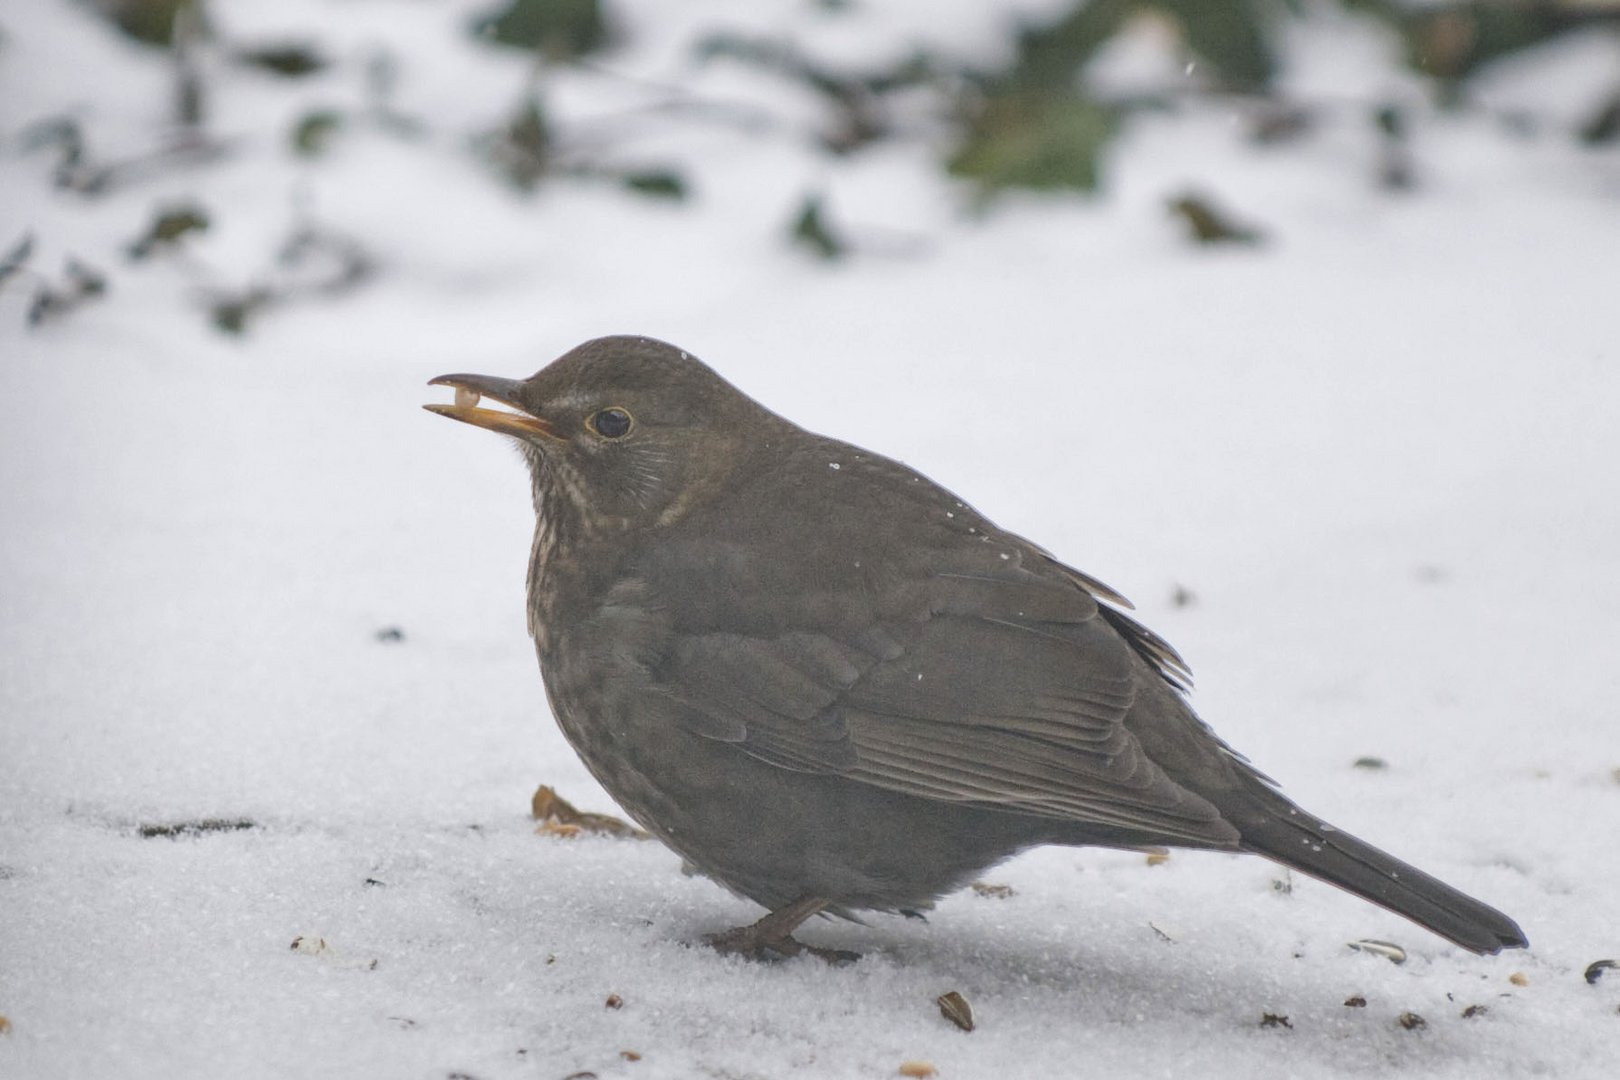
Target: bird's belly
775,835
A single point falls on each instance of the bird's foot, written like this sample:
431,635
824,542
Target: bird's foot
771,938
744,942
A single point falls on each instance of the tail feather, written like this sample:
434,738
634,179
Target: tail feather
1282,832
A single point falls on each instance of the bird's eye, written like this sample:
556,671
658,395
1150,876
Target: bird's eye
611,423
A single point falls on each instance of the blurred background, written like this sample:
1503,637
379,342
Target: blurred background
234,138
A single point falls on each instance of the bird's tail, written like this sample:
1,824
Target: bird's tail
1273,827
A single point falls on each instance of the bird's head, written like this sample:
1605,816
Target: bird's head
624,432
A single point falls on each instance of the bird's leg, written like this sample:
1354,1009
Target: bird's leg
772,937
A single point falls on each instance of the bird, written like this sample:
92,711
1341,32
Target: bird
833,687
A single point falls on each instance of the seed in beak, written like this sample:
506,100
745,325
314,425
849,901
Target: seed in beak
465,399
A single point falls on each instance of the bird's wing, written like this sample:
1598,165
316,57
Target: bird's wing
989,685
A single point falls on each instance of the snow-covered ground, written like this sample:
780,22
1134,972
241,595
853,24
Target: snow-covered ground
1379,457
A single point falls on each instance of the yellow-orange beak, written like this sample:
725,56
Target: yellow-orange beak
470,389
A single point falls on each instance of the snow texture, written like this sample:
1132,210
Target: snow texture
1376,458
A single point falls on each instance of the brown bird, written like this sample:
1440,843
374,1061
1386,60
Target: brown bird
832,686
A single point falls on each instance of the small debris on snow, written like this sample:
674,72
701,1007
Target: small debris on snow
1387,949
175,830
955,1008
1411,1021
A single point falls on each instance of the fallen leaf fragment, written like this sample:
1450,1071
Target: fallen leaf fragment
1411,1021
1475,1010
559,817
1271,1020
1355,1001
994,892
629,1055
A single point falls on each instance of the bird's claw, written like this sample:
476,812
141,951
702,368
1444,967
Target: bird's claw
750,943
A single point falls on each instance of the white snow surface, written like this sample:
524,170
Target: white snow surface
1380,451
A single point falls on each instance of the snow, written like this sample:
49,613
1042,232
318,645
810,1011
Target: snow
1379,452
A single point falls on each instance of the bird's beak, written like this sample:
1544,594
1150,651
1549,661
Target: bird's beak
470,388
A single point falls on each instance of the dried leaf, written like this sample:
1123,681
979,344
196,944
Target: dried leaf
559,817
1271,1020
1475,1010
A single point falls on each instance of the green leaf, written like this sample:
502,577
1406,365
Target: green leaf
15,259
314,130
1604,124
1031,139
167,228
292,61
656,183
811,231
1230,37
560,29
1452,42
1050,56
151,21
1208,224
